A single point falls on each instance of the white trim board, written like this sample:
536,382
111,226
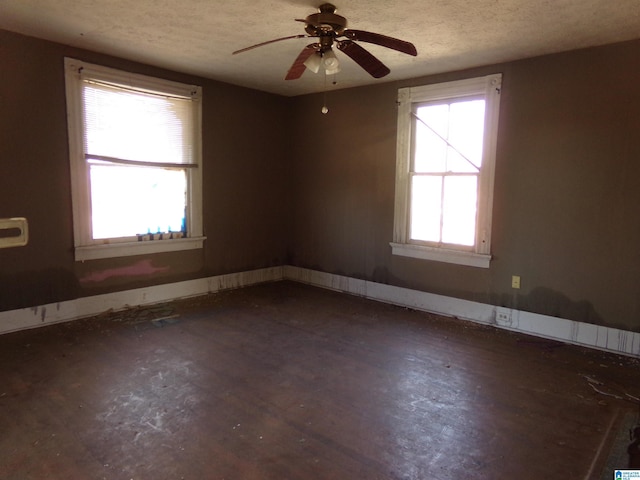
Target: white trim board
569,331
32,317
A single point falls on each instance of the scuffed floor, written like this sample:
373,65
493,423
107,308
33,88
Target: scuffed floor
285,381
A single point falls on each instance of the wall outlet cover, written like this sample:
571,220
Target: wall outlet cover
503,316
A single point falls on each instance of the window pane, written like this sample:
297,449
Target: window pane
431,149
127,201
136,126
459,210
449,137
466,132
426,197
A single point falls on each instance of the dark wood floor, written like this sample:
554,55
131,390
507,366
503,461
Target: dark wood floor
285,381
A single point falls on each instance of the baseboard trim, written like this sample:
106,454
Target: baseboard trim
32,317
569,331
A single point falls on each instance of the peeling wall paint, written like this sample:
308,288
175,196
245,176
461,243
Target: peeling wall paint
138,269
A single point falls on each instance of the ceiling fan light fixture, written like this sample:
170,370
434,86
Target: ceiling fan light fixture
330,62
313,62
328,28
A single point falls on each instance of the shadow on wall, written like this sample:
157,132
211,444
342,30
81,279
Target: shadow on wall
545,301
27,289
541,300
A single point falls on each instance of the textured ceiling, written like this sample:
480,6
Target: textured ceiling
198,36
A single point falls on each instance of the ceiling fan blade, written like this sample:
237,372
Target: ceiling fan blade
267,43
298,67
371,64
383,40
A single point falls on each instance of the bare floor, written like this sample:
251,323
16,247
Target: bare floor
285,381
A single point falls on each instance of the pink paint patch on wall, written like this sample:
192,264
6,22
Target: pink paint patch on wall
138,269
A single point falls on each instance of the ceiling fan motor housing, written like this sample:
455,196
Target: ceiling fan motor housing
327,22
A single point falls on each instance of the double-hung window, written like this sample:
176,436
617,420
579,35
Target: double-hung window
135,156
445,169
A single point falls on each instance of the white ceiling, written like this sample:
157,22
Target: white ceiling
198,36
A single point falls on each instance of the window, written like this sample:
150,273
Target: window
135,155
444,170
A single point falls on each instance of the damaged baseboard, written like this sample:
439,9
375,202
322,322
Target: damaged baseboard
569,331
585,334
32,317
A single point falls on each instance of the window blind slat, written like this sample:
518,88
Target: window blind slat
137,163
138,126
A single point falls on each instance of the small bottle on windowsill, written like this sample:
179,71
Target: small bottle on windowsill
144,237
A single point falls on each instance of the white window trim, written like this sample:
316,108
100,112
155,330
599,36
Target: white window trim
86,248
479,256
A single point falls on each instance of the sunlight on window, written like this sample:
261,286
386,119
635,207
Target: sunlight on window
447,161
136,126
127,200
426,204
466,131
459,210
124,126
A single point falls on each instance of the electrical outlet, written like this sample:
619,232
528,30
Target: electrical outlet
503,316
14,232
515,281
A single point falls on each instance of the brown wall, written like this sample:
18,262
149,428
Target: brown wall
567,191
284,184
243,182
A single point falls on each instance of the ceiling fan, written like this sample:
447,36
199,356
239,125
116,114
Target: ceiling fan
330,28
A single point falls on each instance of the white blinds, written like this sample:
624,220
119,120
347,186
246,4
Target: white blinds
136,126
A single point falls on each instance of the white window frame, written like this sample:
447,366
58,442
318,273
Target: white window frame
480,254
86,248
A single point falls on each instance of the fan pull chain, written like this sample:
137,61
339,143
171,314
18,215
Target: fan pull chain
324,110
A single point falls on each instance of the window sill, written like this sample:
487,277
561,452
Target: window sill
441,255
94,252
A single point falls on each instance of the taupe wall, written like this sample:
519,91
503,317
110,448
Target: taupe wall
285,184
567,191
244,185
